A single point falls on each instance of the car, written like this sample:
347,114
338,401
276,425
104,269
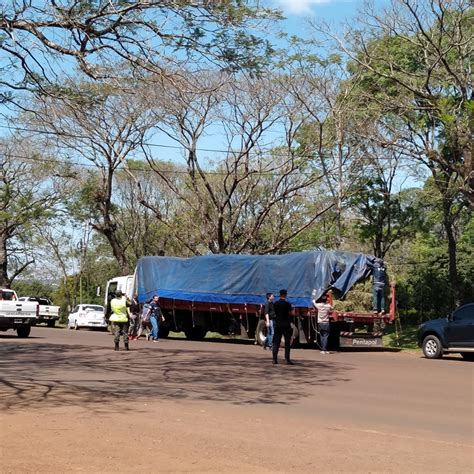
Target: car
87,316
452,334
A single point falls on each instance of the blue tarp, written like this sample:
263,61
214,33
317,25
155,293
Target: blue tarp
241,279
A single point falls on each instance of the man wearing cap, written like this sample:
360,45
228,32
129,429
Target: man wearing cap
283,312
119,319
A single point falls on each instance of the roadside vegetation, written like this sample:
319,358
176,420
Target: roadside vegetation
183,130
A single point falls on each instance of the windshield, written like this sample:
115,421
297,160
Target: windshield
7,295
91,307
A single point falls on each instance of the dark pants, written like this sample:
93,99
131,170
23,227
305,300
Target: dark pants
378,298
120,329
279,332
324,329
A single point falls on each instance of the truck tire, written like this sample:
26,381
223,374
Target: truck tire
51,323
467,355
294,336
23,331
197,333
432,348
261,332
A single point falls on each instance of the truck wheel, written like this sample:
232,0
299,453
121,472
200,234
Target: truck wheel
197,333
432,348
261,332
468,355
51,323
23,331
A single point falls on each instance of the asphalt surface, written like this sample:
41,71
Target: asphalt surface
183,406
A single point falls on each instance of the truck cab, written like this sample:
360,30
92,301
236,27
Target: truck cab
123,283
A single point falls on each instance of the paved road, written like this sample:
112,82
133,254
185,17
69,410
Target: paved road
71,404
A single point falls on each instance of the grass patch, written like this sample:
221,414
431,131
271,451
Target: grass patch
406,340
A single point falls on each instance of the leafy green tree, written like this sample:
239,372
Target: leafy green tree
41,41
386,218
413,66
29,194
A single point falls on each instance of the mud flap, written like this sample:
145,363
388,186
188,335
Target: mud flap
360,340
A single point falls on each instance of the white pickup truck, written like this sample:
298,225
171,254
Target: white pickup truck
14,314
48,313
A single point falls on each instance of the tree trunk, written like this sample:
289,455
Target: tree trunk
452,264
4,280
108,232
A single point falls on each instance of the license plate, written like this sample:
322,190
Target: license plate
18,321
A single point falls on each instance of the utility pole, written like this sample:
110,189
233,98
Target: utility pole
83,244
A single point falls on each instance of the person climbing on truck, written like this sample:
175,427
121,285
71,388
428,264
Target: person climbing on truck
379,278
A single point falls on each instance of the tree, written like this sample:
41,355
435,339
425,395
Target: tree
331,133
29,195
415,62
228,201
137,224
42,41
103,126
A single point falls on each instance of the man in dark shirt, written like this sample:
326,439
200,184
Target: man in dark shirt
378,286
283,313
156,317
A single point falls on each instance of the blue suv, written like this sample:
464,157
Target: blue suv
455,333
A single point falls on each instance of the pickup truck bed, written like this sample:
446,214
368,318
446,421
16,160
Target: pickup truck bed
17,315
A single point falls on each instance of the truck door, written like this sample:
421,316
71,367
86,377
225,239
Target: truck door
460,330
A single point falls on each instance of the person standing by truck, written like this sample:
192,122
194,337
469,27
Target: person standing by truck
134,318
379,277
324,310
156,317
283,312
145,324
269,321
119,319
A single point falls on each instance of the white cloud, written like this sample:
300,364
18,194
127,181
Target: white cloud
298,7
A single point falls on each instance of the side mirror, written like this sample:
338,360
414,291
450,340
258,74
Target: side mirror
98,291
449,317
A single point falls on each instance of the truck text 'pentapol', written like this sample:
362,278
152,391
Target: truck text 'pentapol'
226,293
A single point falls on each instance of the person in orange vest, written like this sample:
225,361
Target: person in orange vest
120,319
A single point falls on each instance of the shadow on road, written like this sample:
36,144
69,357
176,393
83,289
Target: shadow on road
79,375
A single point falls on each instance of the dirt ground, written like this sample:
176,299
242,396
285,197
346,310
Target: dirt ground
71,404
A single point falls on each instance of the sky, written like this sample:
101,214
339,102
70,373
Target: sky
330,11
328,8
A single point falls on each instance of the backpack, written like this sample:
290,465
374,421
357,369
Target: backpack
145,316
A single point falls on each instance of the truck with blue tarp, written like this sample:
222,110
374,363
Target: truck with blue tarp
225,293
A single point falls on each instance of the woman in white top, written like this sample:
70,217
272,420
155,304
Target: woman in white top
324,311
